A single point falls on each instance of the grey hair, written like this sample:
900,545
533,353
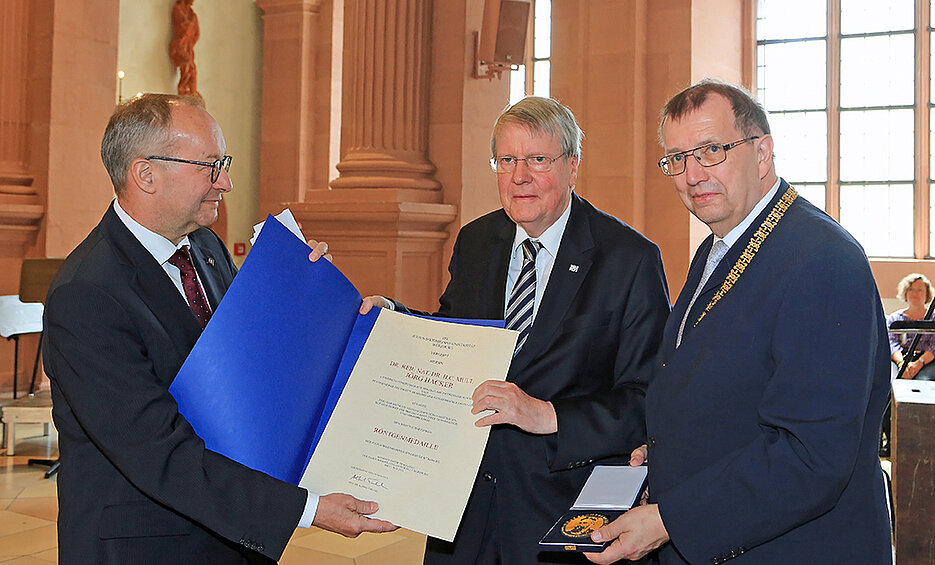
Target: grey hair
138,128
543,115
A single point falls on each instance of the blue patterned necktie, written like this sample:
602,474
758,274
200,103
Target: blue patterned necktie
519,309
718,250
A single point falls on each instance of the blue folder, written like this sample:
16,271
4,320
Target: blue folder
267,372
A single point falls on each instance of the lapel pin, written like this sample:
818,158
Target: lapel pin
573,268
211,261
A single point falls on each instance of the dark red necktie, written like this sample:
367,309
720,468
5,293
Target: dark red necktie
193,293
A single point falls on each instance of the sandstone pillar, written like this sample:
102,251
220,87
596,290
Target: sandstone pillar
383,216
58,65
294,128
20,205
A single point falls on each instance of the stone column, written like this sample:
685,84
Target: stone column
58,64
384,129
294,128
383,216
20,207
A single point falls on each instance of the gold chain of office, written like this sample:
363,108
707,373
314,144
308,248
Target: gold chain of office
752,247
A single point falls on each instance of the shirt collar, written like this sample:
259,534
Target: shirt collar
550,238
733,235
158,246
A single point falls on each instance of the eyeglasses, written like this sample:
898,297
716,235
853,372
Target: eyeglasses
536,163
222,163
706,155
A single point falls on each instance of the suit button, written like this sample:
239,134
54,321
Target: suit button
651,441
487,476
259,547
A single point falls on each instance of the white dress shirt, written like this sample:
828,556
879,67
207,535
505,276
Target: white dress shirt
734,234
550,239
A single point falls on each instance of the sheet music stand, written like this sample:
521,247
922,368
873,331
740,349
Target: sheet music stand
35,277
17,319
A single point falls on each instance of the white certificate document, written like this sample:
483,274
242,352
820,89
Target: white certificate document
402,433
611,487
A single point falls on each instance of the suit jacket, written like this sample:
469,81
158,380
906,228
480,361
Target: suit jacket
764,424
589,351
136,485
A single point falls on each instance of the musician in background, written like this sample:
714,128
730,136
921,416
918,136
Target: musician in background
917,290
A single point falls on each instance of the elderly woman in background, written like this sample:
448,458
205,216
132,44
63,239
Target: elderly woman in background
917,291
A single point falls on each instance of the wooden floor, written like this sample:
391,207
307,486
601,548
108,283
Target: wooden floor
29,508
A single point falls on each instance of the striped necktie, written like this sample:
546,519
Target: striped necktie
519,309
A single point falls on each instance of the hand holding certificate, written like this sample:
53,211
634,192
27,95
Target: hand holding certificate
402,432
287,372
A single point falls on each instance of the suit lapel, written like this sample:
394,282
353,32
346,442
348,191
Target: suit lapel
717,277
564,282
153,286
207,266
502,248
724,267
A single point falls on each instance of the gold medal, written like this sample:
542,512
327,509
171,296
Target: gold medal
583,524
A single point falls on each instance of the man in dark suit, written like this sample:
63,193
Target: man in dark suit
136,484
574,394
764,413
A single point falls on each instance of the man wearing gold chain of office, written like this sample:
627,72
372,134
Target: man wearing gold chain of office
764,412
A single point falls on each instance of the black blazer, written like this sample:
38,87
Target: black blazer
764,424
589,351
136,484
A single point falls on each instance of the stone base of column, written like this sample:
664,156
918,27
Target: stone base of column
20,216
383,245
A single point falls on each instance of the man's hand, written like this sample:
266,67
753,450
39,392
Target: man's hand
375,301
319,250
344,514
639,456
513,406
912,369
635,534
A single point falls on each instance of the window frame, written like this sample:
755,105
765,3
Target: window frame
529,58
922,107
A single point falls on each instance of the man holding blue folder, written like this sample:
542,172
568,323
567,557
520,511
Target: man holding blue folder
136,484
587,294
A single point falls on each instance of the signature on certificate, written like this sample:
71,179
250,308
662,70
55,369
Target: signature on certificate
372,481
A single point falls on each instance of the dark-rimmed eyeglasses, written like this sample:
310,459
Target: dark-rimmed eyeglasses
222,163
535,163
706,155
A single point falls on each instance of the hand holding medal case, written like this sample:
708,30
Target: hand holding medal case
609,492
